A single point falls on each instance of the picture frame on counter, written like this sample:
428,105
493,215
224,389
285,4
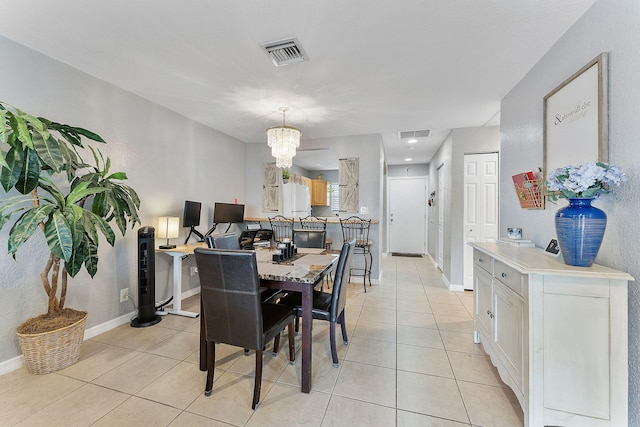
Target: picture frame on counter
553,248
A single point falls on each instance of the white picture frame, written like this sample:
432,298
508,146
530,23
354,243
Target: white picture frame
576,118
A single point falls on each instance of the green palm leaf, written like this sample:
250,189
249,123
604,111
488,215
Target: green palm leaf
26,225
58,235
49,151
9,175
30,175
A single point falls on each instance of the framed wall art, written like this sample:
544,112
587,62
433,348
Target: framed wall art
576,118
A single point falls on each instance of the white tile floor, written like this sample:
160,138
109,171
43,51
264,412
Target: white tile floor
410,361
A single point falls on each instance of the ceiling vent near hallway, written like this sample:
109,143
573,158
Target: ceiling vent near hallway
285,52
414,133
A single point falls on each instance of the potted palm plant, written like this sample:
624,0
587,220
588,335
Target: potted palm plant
52,190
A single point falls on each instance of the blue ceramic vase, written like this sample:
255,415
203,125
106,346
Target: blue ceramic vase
580,229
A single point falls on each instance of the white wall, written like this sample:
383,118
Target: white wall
167,157
609,26
398,171
451,155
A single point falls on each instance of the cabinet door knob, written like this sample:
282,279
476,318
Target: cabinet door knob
488,312
480,260
504,275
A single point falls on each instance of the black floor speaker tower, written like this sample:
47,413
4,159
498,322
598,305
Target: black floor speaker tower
146,279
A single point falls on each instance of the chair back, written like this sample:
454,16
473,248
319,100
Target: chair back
230,294
309,238
356,228
313,223
282,228
224,241
339,292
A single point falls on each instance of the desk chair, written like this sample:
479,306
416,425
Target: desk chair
311,222
282,228
309,238
233,312
357,228
329,306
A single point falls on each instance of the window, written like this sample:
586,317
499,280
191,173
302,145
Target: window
334,196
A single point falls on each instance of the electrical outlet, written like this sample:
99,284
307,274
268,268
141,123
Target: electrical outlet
364,210
124,294
193,271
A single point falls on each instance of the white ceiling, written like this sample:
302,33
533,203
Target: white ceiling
376,66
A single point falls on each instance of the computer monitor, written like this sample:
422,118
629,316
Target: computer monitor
191,216
228,213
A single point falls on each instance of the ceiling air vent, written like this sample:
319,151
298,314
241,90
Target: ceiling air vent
414,133
285,52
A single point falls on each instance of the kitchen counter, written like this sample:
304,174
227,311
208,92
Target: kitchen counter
330,219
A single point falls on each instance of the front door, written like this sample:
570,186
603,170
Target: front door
407,215
480,205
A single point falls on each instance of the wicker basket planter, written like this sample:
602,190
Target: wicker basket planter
52,351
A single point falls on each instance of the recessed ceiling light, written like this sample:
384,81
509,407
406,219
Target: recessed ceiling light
412,141
408,159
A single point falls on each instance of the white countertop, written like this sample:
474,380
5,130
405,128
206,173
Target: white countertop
529,260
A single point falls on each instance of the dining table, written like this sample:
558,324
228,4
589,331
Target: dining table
302,272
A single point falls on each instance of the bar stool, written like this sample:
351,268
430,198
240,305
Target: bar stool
311,222
358,228
282,228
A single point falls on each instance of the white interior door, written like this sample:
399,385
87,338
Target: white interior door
407,215
480,205
440,203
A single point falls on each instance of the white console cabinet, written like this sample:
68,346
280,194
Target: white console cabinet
557,334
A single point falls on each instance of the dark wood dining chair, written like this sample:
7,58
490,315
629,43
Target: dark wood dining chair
233,312
329,306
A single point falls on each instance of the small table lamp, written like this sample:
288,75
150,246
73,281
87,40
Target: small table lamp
168,228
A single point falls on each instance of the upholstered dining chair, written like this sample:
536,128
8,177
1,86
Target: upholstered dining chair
311,222
309,238
329,306
230,241
233,312
223,241
282,228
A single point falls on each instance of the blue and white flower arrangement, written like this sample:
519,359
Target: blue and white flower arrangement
586,181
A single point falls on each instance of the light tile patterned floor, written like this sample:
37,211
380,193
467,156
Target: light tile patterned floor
410,361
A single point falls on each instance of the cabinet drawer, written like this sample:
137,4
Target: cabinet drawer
483,261
508,276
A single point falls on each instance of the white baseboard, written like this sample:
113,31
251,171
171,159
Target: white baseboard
18,361
11,365
456,288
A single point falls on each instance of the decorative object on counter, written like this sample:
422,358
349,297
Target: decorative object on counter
283,141
285,175
65,202
522,243
527,186
514,233
580,227
553,248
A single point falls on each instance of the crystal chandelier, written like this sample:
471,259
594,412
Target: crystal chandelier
283,141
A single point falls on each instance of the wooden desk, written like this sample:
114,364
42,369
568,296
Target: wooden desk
300,274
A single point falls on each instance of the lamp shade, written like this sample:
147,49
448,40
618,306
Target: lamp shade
168,227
